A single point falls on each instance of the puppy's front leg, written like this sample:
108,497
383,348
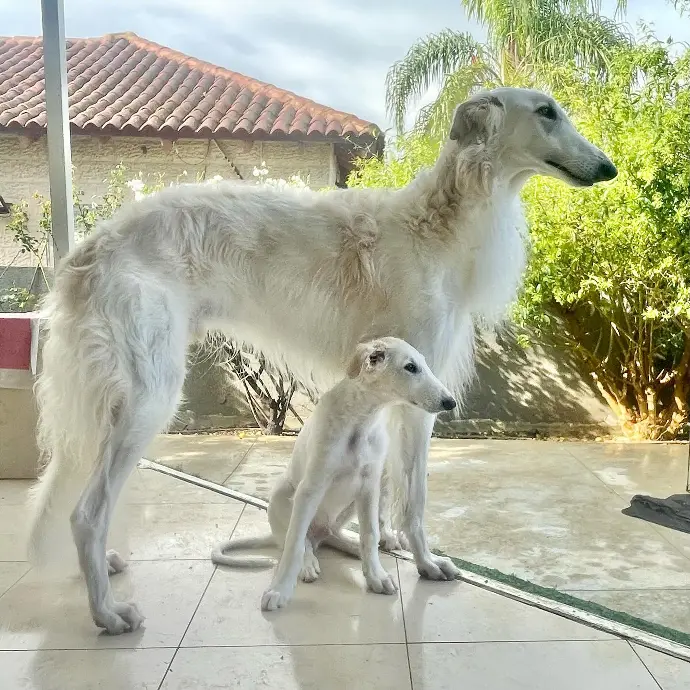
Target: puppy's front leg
377,578
307,499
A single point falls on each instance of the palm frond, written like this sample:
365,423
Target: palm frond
434,119
428,62
586,39
525,27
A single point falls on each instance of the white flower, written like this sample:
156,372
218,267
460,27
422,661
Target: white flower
136,185
256,172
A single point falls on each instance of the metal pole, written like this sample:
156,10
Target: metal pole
59,154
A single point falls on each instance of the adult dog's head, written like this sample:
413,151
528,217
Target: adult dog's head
528,133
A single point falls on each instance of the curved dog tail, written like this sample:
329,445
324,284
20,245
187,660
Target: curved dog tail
219,557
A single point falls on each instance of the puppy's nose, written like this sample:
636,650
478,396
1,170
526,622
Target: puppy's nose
606,171
448,403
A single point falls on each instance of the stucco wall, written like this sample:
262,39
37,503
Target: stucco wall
24,167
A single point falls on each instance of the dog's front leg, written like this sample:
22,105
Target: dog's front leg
378,580
415,431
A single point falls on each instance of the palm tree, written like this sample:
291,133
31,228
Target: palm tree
522,36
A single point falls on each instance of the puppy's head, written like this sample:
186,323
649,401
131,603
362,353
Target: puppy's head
397,372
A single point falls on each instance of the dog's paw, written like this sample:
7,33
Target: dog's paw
381,582
116,564
393,541
438,568
273,599
310,569
123,617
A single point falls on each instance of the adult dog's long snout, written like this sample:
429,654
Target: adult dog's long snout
606,171
535,135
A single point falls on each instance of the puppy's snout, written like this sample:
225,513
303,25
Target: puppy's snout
448,403
606,171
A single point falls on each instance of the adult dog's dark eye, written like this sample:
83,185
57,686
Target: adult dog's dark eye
547,111
411,367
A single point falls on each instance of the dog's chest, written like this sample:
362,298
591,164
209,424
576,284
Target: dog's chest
491,257
365,451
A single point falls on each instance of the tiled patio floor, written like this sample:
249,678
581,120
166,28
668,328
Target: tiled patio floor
548,512
204,628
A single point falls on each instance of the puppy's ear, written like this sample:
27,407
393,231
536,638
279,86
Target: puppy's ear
477,119
367,356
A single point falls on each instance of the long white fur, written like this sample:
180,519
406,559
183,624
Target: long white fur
336,466
304,277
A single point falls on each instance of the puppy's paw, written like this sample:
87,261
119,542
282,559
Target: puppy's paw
438,568
123,617
273,599
393,541
381,582
116,564
310,569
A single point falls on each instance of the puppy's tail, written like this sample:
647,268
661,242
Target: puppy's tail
219,557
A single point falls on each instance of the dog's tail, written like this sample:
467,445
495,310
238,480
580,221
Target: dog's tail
219,557
82,385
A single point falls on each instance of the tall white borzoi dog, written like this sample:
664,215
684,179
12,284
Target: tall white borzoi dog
336,467
303,277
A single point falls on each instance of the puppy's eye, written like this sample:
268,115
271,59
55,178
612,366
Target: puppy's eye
411,367
547,111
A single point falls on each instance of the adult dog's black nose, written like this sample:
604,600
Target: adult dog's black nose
606,171
448,403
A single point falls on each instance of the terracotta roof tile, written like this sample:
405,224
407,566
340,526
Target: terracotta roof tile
121,83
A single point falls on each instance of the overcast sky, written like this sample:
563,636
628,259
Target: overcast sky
336,52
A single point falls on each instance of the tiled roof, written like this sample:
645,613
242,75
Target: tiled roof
124,84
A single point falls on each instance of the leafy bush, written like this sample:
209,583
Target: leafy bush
609,275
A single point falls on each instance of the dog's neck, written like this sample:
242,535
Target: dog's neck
365,401
439,199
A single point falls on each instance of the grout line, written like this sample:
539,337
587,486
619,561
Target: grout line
402,609
242,459
305,644
201,598
19,579
645,665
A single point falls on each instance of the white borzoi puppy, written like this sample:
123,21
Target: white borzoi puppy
336,467
301,276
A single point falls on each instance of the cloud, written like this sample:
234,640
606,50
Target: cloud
334,52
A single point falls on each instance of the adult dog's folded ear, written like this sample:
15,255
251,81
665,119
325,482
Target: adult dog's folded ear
478,119
367,356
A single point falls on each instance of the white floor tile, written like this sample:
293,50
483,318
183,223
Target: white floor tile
103,669
460,612
608,665
333,667
41,614
670,673
337,609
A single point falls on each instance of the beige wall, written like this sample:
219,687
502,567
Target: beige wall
24,166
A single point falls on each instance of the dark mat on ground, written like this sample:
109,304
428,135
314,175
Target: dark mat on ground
672,512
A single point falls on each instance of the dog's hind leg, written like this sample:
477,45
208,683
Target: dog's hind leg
389,539
150,404
308,496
